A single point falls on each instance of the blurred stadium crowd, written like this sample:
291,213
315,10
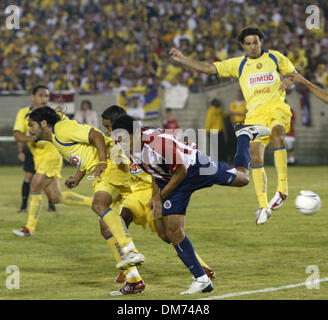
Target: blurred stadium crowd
98,45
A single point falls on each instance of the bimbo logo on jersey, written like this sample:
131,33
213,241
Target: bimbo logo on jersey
263,78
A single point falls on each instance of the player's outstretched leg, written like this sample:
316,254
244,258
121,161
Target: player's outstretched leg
245,134
243,158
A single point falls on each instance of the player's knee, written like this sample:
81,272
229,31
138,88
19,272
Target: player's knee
55,198
175,234
162,235
244,181
256,160
104,230
98,207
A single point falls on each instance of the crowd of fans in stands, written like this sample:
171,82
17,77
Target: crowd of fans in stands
98,45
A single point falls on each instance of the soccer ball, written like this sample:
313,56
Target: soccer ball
308,202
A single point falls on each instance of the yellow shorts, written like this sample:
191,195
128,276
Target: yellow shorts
113,181
137,203
47,160
270,115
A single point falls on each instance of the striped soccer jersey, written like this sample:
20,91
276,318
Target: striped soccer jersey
162,153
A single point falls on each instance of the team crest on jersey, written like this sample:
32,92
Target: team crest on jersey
134,169
263,78
167,204
259,66
75,160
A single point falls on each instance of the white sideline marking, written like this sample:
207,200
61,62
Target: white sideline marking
244,293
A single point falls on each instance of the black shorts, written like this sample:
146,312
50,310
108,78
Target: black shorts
28,164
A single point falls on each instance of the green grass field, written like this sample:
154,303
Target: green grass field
68,259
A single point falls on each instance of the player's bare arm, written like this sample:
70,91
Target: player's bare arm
287,82
318,92
196,65
177,177
74,181
97,139
155,203
21,137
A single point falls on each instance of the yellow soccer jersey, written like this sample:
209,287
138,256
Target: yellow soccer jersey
21,124
72,141
259,78
140,180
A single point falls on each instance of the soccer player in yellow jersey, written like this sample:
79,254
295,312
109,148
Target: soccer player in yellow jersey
259,73
48,165
136,209
86,148
40,97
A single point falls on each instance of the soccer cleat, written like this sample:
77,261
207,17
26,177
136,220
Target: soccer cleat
120,278
22,210
262,215
210,273
277,201
199,286
253,131
130,288
23,232
130,259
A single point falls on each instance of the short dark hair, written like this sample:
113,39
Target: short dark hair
112,113
124,122
45,113
88,102
39,86
250,31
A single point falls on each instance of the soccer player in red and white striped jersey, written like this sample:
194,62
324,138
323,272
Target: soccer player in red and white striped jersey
179,169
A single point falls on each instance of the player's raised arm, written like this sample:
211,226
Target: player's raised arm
196,65
318,92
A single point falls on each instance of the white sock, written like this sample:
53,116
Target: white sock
129,247
132,273
203,278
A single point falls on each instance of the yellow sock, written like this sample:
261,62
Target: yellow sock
132,274
201,261
75,199
34,210
260,184
117,227
280,161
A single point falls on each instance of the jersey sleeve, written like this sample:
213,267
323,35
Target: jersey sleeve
228,68
285,65
20,122
70,131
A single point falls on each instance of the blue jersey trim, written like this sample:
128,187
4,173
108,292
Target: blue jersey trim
102,216
242,64
273,57
65,144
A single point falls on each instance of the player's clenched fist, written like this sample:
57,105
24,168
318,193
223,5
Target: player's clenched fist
176,54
